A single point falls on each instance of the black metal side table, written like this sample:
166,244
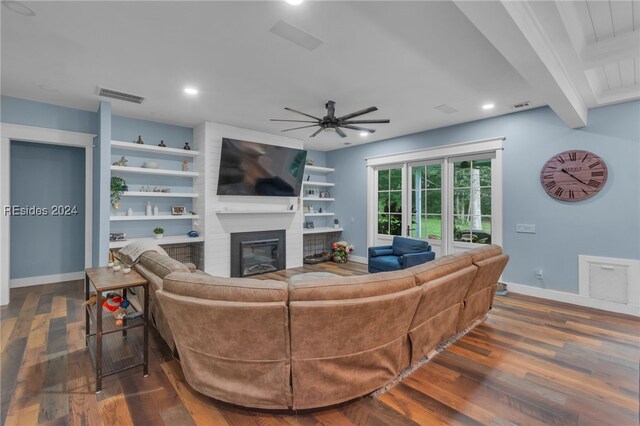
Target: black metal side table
120,353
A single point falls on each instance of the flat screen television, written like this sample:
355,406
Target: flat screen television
250,168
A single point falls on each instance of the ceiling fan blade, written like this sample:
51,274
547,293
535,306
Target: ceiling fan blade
298,112
292,121
340,132
296,128
357,113
331,109
362,129
366,121
316,132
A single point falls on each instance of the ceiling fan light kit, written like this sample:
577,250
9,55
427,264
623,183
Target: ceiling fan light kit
331,123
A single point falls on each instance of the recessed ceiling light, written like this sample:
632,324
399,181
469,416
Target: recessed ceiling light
294,2
364,134
19,8
190,90
488,106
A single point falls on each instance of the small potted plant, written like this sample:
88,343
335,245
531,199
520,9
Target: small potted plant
118,186
159,232
341,251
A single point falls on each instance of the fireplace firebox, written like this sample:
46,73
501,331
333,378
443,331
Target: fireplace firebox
258,252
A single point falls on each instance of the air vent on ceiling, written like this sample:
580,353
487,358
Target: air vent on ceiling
447,109
521,105
296,35
121,96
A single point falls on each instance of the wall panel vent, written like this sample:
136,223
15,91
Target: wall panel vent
610,279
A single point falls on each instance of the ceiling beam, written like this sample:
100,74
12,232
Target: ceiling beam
605,52
515,32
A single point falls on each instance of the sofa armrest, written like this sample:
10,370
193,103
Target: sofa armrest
412,259
380,251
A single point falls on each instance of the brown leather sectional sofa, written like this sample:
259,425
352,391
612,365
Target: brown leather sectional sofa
315,342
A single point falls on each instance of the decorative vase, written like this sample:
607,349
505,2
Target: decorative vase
158,236
187,147
148,209
155,210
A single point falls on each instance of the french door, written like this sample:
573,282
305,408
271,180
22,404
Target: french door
453,202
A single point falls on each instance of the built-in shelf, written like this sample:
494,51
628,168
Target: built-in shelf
159,194
159,217
177,239
317,199
321,230
318,169
319,214
256,211
145,171
132,146
312,183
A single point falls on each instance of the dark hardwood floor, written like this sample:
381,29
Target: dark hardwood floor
533,362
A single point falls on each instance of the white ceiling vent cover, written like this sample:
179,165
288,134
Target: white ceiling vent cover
121,96
296,35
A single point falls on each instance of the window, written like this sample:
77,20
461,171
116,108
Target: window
426,201
472,201
389,201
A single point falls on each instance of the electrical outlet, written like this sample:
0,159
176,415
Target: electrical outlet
525,228
539,274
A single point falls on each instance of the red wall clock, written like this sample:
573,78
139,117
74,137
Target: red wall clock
573,175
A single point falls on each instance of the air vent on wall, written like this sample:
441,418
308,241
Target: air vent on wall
521,105
121,96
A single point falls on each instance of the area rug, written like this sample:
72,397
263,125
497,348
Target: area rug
425,359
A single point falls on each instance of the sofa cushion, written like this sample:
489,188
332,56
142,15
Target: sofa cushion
440,267
204,286
385,263
402,245
160,264
485,252
342,288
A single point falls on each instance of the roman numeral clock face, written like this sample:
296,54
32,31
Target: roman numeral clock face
573,175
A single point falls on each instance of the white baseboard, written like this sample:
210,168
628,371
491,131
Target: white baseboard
45,279
359,259
575,299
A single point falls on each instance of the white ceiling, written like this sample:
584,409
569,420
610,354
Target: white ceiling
403,57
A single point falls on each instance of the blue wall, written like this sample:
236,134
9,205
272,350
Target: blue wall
101,185
38,114
605,225
45,176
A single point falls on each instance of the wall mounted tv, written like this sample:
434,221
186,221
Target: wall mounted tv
250,168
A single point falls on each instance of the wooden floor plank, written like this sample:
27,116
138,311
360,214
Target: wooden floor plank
532,362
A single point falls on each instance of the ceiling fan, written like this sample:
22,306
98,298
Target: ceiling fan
331,122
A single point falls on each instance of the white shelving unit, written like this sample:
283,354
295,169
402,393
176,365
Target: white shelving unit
132,146
160,194
319,214
153,151
256,211
321,230
322,184
177,239
160,172
318,169
158,217
317,199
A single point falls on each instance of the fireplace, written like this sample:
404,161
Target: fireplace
257,252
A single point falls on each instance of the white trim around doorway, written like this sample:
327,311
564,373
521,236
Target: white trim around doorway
9,132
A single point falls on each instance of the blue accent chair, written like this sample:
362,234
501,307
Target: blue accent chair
403,253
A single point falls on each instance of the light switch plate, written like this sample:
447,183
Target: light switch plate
525,228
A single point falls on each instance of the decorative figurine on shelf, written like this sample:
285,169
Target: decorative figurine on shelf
185,165
320,210
140,141
308,177
291,207
193,234
161,144
187,147
309,162
148,209
336,223
122,162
